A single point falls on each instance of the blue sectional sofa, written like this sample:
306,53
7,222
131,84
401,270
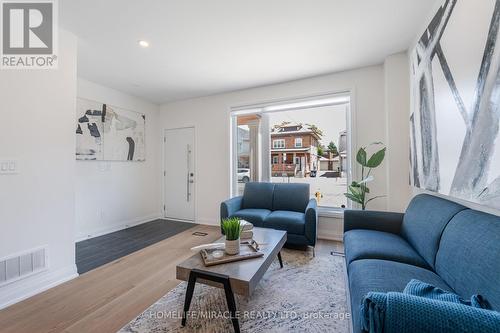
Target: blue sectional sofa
277,206
435,241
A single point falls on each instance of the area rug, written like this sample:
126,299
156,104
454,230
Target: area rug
307,295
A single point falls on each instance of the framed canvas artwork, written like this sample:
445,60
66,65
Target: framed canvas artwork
455,143
109,133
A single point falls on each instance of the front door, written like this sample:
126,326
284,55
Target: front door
179,174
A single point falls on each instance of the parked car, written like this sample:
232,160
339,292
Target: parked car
243,175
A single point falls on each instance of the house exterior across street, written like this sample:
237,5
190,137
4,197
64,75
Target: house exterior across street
294,150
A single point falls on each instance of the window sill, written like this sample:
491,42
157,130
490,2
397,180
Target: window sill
331,212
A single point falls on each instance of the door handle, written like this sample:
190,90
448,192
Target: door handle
189,174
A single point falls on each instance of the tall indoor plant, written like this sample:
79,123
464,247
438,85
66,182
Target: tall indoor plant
358,190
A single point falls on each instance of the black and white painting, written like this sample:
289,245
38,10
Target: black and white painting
109,133
455,144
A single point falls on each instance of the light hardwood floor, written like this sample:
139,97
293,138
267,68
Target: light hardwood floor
105,299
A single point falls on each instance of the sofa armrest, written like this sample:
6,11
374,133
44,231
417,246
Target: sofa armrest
373,220
229,207
311,221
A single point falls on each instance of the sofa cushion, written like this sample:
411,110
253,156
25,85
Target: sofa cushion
292,222
469,256
258,195
292,197
253,215
382,275
371,244
424,222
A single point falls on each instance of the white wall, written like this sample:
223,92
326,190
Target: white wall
210,117
113,195
37,208
397,107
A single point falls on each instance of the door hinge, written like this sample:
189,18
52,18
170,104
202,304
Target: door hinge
164,173
164,139
163,207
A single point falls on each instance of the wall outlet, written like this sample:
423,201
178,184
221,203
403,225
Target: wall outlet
104,166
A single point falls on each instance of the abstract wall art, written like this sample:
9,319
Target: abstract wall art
109,133
454,124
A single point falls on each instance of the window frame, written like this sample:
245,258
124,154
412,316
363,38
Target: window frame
294,103
297,140
279,140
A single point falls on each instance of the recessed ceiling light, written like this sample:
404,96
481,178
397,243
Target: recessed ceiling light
143,43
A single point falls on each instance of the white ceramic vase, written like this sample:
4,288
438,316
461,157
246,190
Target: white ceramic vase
233,246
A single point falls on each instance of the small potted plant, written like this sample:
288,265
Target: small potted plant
232,230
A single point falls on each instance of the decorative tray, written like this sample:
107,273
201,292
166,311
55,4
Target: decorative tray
246,252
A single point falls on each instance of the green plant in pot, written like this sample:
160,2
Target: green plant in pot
358,190
232,230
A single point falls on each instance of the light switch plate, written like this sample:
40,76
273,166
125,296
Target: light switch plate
8,167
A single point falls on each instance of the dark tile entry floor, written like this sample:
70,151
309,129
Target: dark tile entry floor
97,251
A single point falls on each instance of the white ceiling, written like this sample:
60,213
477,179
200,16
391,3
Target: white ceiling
203,47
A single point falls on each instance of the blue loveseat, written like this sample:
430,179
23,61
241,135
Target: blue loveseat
277,206
435,241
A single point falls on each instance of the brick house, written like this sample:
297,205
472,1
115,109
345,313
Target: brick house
294,150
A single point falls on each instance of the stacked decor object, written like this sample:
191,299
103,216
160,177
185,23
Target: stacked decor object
246,230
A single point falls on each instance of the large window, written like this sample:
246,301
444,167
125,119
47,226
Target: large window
298,142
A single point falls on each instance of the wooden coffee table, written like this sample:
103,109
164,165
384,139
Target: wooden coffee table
240,277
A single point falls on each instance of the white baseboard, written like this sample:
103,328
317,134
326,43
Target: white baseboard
208,221
25,288
330,236
124,225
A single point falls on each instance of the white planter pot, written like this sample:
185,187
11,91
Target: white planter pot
233,246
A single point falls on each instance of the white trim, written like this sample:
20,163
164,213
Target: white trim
331,228
324,211
258,107
284,150
180,220
330,236
33,285
351,120
125,225
233,153
207,221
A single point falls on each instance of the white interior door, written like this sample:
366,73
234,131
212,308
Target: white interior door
179,174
